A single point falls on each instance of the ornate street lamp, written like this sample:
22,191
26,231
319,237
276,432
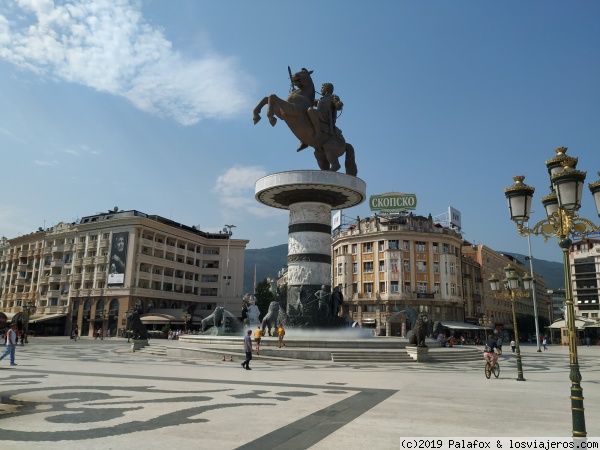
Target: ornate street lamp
562,222
29,309
127,316
227,230
186,316
511,285
486,322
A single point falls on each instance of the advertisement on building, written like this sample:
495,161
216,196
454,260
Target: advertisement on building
118,259
336,220
454,215
393,202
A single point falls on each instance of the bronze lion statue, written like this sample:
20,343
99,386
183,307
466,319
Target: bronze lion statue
215,318
420,331
270,319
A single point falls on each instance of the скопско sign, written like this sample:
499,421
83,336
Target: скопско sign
393,201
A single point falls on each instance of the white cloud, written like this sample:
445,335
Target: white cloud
108,46
235,187
45,163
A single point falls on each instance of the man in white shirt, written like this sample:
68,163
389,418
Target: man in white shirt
11,344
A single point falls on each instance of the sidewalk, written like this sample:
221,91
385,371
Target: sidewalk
92,394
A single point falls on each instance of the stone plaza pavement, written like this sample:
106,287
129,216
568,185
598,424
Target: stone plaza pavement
97,394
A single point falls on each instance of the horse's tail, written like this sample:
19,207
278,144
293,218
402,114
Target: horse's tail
350,162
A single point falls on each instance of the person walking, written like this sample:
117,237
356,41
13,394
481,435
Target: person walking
257,337
248,350
544,342
11,344
513,345
281,334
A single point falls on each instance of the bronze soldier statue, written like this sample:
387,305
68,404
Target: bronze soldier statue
325,113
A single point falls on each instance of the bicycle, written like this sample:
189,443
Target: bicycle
489,369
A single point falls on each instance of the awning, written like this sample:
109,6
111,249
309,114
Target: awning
580,323
14,317
462,326
42,318
159,318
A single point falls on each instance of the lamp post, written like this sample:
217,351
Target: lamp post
29,309
562,222
186,316
486,322
103,315
511,284
534,293
226,229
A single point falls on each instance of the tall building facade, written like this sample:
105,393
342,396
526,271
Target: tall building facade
91,273
584,257
498,308
387,263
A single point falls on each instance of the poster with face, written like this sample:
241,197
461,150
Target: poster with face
118,259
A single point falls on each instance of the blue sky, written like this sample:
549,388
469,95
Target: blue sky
147,105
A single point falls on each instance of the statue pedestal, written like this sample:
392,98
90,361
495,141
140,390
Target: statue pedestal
137,344
419,354
309,196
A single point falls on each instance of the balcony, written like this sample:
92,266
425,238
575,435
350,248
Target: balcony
58,248
88,260
54,278
57,263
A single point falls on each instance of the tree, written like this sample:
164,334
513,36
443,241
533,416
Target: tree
264,296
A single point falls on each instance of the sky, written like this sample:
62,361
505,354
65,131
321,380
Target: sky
147,105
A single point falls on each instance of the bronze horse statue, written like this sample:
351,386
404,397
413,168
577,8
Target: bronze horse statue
293,111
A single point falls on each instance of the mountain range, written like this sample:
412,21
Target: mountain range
269,261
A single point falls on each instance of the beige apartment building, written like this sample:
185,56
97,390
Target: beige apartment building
90,274
387,263
497,308
584,257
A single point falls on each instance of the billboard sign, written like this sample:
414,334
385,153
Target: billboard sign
118,259
336,220
454,216
393,202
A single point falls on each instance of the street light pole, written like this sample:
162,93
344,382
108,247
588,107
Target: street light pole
533,288
562,221
226,229
511,284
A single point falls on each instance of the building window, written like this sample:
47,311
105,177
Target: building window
436,288
406,266
407,287
436,267
453,289
368,288
452,268
339,269
368,247
436,247
354,267
394,265
421,266
354,249
405,245
394,245
394,286
382,266
368,266
421,246
445,248
381,246
382,286
422,287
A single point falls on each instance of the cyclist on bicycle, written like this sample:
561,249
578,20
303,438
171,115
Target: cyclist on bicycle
489,353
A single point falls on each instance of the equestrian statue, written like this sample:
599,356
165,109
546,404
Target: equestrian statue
312,121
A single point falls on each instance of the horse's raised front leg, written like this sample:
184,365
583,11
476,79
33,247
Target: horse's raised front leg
256,111
274,103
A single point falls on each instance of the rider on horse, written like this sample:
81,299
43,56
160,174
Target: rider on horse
326,112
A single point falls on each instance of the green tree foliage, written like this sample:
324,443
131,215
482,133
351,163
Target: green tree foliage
264,296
